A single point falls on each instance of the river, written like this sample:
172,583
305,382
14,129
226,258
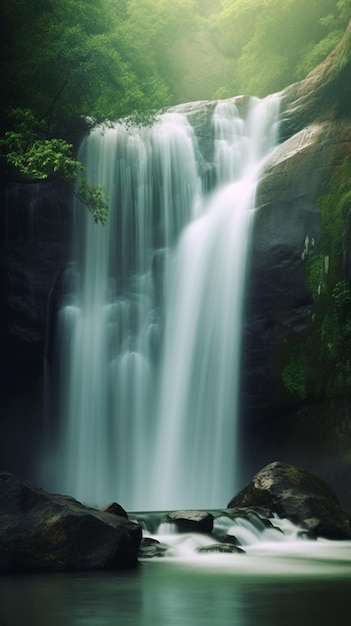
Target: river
241,590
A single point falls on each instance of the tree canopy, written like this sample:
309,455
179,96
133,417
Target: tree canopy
65,59
274,43
65,64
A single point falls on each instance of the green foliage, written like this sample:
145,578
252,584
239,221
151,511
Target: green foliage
221,93
108,58
141,119
64,61
43,159
236,23
344,10
74,58
154,28
274,43
94,199
282,38
316,53
320,365
33,157
294,374
71,59
49,159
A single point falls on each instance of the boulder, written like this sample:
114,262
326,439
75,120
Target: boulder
257,516
222,537
191,521
115,509
151,548
224,548
42,532
298,495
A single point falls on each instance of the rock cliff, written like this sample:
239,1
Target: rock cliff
316,138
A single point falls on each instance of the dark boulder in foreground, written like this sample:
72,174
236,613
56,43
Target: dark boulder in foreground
298,495
191,521
41,532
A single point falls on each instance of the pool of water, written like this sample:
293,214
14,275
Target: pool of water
306,584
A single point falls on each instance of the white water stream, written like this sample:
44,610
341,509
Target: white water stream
150,344
267,547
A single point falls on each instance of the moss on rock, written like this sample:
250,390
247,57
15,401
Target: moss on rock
319,365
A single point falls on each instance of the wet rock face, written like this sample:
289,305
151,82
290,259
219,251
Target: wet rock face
34,243
299,496
315,131
35,226
40,532
199,115
286,231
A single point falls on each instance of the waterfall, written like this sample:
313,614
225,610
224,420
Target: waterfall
149,344
200,370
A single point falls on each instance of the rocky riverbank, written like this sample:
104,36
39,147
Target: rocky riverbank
42,532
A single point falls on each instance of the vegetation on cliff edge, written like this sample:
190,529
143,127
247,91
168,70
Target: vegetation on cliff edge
319,365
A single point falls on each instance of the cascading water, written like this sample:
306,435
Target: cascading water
197,424
150,344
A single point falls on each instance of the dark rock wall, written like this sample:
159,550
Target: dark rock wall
278,308
34,245
286,231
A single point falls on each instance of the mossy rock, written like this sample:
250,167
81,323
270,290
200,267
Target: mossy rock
298,495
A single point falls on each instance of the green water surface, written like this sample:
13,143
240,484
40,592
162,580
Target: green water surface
175,593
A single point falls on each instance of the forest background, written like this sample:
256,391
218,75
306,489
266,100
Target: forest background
69,64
